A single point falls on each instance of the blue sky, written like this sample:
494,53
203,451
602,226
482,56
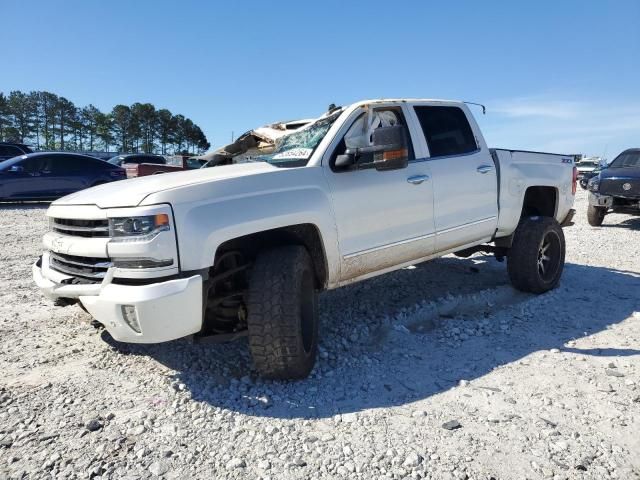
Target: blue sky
555,75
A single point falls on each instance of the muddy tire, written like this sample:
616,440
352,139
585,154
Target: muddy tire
536,258
282,313
595,215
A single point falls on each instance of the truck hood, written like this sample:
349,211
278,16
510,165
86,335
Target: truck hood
131,193
623,172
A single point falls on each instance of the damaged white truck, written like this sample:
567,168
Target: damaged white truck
244,249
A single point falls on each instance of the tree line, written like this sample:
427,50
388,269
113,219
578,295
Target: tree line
50,122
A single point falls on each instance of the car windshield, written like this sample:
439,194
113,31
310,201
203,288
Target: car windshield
295,150
587,164
117,160
626,160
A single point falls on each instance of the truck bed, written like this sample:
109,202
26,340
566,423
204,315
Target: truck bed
520,169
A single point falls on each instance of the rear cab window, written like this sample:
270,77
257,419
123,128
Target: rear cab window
446,130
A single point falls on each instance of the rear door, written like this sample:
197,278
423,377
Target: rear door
67,174
464,176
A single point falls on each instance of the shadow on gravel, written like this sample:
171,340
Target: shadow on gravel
630,223
369,359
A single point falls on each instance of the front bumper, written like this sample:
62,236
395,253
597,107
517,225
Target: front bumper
597,200
164,311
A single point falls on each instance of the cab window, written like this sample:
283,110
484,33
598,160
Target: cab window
360,134
37,165
446,130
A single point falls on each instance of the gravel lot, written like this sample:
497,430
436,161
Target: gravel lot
438,371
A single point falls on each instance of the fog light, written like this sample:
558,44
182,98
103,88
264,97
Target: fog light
131,317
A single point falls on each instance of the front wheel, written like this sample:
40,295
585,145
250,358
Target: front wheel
536,258
282,313
595,215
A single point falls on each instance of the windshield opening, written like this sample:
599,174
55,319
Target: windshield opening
626,160
294,150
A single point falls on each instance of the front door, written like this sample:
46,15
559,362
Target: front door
384,218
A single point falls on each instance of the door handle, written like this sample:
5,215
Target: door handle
484,168
417,179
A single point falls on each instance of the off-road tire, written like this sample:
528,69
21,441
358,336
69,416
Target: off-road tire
282,313
595,215
523,260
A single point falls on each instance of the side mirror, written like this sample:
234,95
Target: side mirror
390,144
16,169
345,160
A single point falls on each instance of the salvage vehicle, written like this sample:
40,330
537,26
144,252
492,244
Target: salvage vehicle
252,144
587,165
616,188
51,175
583,180
244,249
142,164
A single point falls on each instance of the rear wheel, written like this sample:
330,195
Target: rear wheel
595,215
282,313
536,258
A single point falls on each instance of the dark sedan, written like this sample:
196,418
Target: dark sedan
616,188
49,175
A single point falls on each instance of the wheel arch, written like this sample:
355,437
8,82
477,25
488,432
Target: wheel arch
540,200
305,234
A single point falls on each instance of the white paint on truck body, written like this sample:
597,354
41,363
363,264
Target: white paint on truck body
369,221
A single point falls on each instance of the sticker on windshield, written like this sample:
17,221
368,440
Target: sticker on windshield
293,153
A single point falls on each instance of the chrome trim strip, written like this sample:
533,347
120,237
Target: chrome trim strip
59,258
70,228
76,273
414,239
470,224
388,245
428,159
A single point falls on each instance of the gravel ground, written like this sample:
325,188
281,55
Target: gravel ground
438,371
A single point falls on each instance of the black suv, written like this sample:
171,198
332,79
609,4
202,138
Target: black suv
615,188
9,150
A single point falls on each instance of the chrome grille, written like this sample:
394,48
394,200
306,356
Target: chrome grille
91,268
81,228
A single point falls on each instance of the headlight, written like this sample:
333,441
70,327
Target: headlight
594,184
138,228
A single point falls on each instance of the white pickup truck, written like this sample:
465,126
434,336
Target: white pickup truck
243,249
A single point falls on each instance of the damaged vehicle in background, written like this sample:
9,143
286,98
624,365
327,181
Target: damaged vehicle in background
142,164
616,188
252,144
